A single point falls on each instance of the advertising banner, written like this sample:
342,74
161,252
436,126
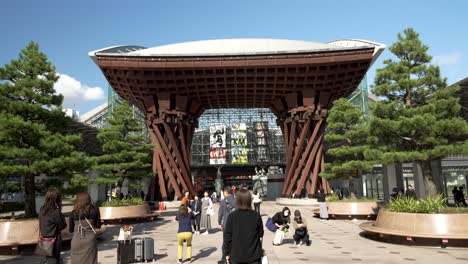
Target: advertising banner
261,131
239,144
218,144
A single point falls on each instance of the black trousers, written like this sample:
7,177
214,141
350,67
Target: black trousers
257,207
301,237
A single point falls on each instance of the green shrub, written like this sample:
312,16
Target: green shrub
11,206
332,198
429,205
124,202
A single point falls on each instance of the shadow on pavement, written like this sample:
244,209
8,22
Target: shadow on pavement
203,253
215,230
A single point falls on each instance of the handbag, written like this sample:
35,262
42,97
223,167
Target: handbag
45,245
270,226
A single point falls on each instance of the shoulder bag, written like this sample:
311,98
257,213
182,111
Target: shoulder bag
45,245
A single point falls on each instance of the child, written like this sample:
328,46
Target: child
301,234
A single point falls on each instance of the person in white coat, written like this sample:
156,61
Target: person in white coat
256,201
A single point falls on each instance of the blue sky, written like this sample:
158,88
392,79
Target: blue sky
68,30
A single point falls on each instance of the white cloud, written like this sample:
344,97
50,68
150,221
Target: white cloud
76,93
448,59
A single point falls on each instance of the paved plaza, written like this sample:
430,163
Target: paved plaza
335,241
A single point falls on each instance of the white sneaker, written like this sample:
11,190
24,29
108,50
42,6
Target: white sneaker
300,243
198,232
205,233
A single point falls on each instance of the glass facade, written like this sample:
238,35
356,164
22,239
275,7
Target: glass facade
373,183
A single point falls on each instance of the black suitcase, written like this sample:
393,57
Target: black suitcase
125,252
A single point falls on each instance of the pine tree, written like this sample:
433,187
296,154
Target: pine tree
125,153
346,137
418,120
32,123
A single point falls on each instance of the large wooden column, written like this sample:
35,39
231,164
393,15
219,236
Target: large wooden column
302,120
171,131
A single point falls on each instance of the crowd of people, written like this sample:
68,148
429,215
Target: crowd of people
240,220
399,193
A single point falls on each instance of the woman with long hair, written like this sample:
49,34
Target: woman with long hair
52,222
243,232
184,216
281,220
321,199
301,235
83,222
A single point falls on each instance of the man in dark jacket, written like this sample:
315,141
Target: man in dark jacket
227,206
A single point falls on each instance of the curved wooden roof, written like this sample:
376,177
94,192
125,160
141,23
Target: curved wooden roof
261,77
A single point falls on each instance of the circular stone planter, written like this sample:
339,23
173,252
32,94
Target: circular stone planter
354,208
297,202
26,232
440,226
126,212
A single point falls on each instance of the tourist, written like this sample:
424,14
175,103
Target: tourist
227,206
395,193
83,222
281,220
185,200
410,193
321,199
301,234
234,190
454,192
184,234
51,223
207,211
461,196
142,195
256,201
196,206
243,232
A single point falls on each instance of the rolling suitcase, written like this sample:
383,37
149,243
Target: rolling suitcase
138,249
125,252
148,249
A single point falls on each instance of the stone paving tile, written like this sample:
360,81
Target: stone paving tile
334,241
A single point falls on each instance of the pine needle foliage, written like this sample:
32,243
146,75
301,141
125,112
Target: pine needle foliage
418,119
33,125
346,137
125,152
